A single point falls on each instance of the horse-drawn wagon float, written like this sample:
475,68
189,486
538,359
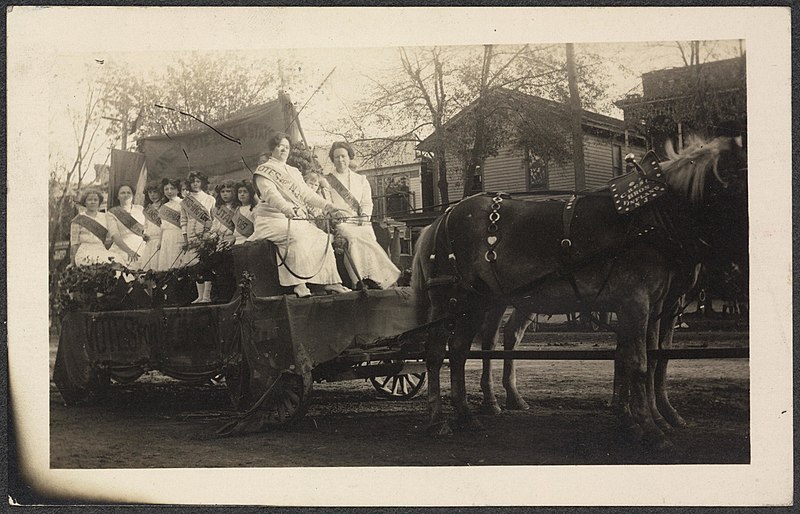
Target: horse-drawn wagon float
631,249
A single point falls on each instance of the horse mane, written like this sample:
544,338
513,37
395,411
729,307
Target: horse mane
686,170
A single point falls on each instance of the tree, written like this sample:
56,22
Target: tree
66,180
415,98
211,87
507,111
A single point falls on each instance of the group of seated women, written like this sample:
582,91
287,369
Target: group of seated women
279,206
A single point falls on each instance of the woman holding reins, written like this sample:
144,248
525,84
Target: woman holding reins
304,251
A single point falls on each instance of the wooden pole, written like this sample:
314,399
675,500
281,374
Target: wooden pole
576,112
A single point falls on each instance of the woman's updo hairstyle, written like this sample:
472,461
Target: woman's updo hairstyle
342,144
276,139
89,192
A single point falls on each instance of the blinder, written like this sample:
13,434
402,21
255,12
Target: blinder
637,188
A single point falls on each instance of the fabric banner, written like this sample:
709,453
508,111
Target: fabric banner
225,216
215,155
170,215
126,219
99,231
152,215
244,226
126,169
195,209
187,344
337,185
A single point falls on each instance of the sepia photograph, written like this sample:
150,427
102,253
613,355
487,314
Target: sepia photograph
365,255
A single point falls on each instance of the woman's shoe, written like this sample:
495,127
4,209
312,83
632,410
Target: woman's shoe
337,288
302,291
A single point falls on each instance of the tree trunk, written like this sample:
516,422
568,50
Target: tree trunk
577,121
440,170
472,177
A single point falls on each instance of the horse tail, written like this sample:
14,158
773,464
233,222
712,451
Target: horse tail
420,272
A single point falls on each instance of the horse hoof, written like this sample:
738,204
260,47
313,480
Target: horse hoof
440,430
490,408
678,422
663,424
517,404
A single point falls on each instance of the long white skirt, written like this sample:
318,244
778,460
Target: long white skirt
171,247
306,248
136,244
92,253
367,256
149,254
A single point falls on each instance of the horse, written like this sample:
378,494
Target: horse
491,250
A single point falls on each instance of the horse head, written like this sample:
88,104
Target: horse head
710,177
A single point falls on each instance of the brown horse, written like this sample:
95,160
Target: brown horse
490,250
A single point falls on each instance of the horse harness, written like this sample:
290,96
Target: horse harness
661,232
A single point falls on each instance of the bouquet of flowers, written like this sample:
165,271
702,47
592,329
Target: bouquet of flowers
88,287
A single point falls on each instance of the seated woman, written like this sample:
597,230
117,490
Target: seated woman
365,260
243,218
153,198
196,222
304,251
126,226
171,242
227,204
88,233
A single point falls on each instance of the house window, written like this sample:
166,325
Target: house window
616,159
535,170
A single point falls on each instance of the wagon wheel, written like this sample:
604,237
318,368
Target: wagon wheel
398,387
287,401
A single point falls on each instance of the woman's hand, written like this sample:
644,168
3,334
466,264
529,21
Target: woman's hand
335,212
295,213
145,237
133,256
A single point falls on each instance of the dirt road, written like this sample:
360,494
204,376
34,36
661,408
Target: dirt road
157,422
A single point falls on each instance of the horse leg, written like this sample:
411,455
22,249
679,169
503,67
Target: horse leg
512,336
632,336
434,357
620,395
653,330
464,331
488,337
663,404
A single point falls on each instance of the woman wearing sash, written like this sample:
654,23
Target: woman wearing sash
88,232
153,198
227,204
365,260
304,251
243,219
126,226
195,223
171,245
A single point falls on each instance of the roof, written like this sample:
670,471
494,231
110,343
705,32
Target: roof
727,75
589,118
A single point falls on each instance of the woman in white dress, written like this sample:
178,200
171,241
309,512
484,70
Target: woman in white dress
226,207
246,212
126,226
304,251
196,222
153,198
88,233
171,243
365,260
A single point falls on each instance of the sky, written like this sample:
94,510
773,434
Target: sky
349,72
